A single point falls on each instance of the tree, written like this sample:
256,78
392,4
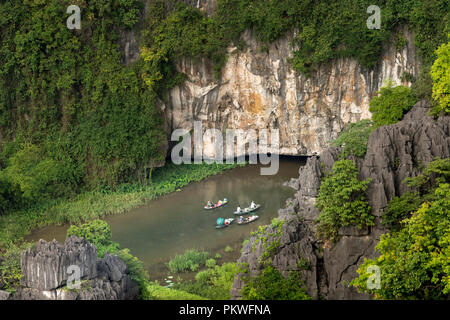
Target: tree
342,201
271,285
415,262
354,138
391,104
440,73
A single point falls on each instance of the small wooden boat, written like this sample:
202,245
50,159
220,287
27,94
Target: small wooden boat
248,219
247,210
226,223
218,204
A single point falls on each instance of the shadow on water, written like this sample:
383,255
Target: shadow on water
170,225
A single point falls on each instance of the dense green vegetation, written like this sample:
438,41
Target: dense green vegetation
342,201
191,260
353,139
157,292
10,270
422,187
271,285
96,204
73,118
440,73
415,257
391,104
326,30
67,101
213,283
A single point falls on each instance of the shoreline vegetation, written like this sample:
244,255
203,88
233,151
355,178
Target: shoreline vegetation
100,203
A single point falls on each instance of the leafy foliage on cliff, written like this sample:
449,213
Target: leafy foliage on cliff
415,256
391,104
325,30
10,269
342,201
71,114
271,285
440,73
353,139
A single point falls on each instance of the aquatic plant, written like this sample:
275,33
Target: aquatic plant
191,260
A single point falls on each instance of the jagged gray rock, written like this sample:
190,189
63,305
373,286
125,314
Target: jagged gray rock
44,265
4,295
45,273
394,153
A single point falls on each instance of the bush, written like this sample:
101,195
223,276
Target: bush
342,201
228,249
214,283
415,261
271,285
37,176
10,195
10,269
191,260
424,185
354,138
210,263
440,73
98,233
391,104
156,292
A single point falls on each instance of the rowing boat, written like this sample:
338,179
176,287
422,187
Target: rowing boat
247,210
248,220
217,205
226,223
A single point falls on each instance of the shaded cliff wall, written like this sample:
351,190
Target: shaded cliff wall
394,153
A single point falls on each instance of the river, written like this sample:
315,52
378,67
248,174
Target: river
171,224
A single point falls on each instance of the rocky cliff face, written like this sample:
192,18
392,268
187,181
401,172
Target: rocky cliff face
45,270
259,89
394,153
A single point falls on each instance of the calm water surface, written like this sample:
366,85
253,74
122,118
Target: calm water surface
176,222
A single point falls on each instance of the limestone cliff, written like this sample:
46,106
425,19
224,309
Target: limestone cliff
45,269
259,89
394,153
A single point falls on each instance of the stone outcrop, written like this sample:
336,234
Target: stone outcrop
394,153
46,272
4,295
259,89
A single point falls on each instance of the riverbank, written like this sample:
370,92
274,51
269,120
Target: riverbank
98,204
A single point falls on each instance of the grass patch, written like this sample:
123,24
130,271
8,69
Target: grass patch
214,283
157,292
191,260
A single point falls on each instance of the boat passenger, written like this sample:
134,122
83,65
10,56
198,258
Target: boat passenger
238,209
253,205
209,204
241,219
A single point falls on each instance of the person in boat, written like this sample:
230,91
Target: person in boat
219,202
209,204
238,210
241,219
253,205
225,200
